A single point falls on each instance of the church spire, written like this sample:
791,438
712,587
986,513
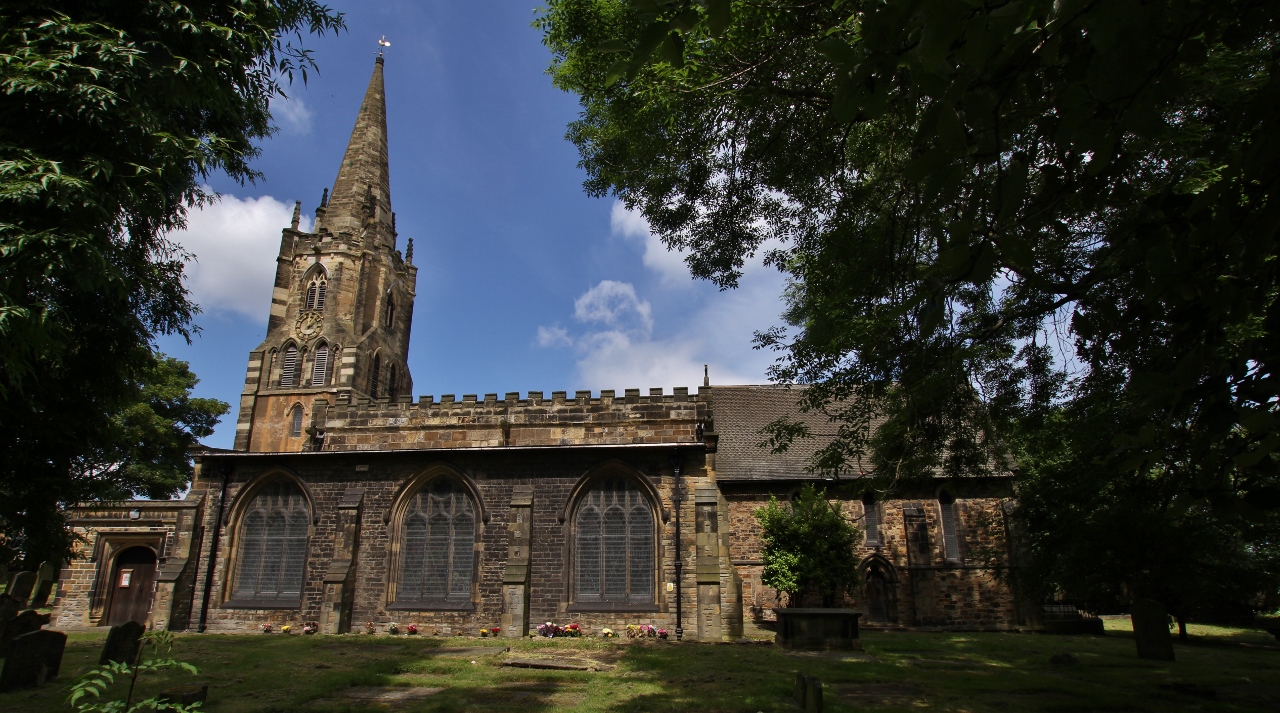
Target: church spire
360,203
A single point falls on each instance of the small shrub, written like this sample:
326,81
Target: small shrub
808,548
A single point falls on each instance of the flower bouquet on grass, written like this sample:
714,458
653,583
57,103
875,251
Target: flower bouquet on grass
550,630
268,627
286,629
411,629
573,630
495,630
393,628
484,633
311,627
370,627
662,633
607,633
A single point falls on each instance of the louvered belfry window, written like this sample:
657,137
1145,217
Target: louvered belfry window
320,290
950,526
393,377
315,295
273,546
438,550
320,369
289,367
614,544
375,375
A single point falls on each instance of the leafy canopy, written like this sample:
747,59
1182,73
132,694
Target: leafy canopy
993,213
112,115
808,548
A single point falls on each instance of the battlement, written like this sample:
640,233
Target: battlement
472,422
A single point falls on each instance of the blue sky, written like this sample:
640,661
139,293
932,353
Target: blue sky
524,283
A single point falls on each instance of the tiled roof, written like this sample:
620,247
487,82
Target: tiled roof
740,414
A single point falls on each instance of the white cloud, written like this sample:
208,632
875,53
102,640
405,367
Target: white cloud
614,304
554,337
669,264
292,113
235,242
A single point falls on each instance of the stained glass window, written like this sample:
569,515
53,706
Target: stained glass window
273,545
437,560
614,544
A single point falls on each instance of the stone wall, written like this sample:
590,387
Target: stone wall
384,476
925,589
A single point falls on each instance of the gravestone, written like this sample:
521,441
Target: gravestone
813,696
1151,630
122,643
36,658
46,578
24,623
20,587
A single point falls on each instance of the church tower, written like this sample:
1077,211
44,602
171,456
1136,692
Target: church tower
342,305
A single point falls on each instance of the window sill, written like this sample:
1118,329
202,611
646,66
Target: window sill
611,607
263,604
431,606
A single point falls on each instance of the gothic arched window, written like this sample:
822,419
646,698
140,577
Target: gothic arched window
295,421
375,375
871,519
289,367
950,526
271,559
389,316
315,294
614,544
437,561
320,366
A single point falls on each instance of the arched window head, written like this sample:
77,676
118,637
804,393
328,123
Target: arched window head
375,375
316,290
272,553
437,564
614,548
320,366
871,519
950,526
295,420
289,367
389,314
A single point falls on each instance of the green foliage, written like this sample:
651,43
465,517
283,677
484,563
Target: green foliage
808,548
113,115
88,691
993,215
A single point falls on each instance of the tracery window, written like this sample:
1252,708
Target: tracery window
437,563
614,548
315,294
271,559
950,526
289,367
320,366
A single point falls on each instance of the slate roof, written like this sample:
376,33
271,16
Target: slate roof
741,412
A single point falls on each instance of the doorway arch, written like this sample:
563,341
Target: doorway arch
133,583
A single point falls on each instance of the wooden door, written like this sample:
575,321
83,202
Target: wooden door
877,611
132,586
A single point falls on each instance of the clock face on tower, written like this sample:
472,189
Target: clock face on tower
308,325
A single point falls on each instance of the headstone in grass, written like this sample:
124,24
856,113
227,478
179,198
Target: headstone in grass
122,643
813,696
801,688
24,623
20,587
1151,630
36,658
46,577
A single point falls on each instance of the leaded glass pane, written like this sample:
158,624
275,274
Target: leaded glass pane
614,544
438,556
271,562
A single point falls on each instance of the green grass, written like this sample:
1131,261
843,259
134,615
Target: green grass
1218,670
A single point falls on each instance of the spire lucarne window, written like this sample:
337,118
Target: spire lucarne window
614,544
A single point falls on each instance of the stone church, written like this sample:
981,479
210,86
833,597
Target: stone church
346,502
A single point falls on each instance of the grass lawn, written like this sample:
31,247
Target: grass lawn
1219,669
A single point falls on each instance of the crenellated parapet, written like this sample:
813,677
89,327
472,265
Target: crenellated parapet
535,420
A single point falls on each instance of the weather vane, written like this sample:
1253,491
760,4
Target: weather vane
382,43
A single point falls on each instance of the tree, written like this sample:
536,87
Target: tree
111,117
808,548
995,214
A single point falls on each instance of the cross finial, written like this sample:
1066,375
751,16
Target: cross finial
382,43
